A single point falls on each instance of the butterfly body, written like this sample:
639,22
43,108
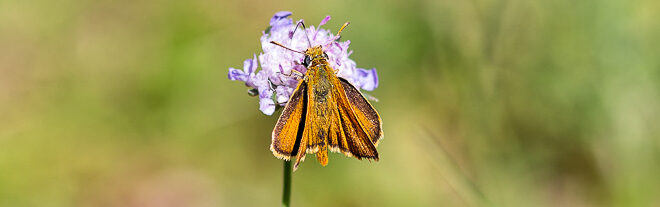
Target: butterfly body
326,112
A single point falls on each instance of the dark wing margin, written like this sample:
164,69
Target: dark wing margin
289,128
364,112
355,139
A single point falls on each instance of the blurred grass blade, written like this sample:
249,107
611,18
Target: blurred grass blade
450,170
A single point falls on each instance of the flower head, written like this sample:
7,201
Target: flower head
275,82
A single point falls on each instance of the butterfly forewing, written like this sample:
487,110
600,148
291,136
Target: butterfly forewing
289,128
353,136
364,112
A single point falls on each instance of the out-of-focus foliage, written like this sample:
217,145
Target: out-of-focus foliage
484,103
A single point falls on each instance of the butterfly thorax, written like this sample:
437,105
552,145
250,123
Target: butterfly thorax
319,75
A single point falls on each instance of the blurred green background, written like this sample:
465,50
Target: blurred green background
484,103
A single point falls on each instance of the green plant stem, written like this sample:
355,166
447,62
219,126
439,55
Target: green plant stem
286,187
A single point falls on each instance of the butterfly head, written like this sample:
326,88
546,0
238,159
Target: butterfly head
314,56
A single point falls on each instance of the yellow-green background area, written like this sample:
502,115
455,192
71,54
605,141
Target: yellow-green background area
484,103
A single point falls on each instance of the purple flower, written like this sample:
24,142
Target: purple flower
276,80
247,74
280,20
367,79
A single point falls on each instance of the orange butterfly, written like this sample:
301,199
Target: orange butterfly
325,111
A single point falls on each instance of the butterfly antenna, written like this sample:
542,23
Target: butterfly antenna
336,37
309,43
341,29
292,50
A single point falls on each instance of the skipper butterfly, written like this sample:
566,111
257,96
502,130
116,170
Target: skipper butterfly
325,112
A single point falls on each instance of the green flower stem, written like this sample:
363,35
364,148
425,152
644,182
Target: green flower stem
286,187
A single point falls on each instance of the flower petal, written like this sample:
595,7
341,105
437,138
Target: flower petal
236,74
325,20
250,65
283,93
280,20
367,79
281,15
267,106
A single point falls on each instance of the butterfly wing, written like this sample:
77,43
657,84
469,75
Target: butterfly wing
364,112
354,132
288,131
304,120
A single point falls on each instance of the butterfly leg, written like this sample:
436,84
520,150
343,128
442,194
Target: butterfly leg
293,72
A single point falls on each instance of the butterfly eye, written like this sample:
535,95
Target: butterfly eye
307,61
325,55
